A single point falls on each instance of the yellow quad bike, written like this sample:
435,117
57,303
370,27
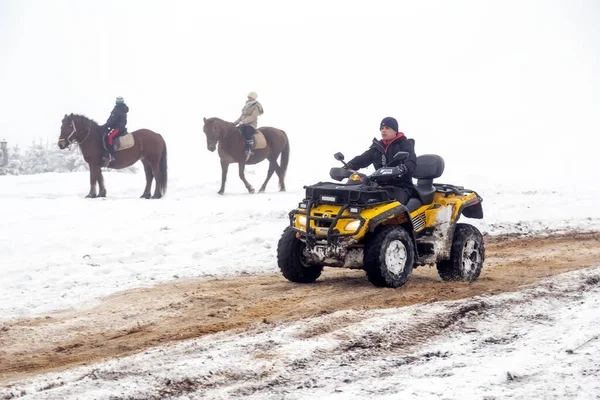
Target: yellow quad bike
358,224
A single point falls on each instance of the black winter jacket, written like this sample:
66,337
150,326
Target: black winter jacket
118,118
379,155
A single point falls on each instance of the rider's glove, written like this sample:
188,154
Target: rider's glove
403,169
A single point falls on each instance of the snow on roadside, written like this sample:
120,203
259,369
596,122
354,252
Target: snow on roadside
59,250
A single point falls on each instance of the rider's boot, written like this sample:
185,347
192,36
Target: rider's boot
249,147
109,157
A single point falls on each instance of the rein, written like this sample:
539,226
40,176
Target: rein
224,132
75,131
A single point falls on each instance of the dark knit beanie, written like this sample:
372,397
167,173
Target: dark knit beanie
390,123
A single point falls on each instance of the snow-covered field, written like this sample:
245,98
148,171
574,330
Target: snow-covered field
59,250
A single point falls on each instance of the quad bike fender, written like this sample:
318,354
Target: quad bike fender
472,208
398,215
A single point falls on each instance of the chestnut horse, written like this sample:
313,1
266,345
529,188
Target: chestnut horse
149,147
232,145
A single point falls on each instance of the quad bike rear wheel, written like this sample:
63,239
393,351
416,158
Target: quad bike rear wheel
466,255
389,257
292,262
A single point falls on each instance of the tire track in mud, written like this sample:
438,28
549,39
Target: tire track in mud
132,321
388,341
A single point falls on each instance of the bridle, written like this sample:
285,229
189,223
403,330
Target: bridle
220,134
72,134
215,136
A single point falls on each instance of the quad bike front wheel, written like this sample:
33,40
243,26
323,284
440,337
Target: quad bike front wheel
466,255
292,262
389,257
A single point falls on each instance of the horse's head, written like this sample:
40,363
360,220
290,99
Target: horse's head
67,131
212,132
70,130
216,129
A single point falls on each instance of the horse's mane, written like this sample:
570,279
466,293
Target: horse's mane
226,124
94,123
217,119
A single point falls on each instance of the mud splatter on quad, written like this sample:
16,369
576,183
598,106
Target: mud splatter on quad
359,224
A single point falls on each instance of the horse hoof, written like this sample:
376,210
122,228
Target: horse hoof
220,192
90,196
157,196
102,195
282,190
262,190
145,196
251,191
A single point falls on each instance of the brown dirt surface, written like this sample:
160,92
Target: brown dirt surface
132,321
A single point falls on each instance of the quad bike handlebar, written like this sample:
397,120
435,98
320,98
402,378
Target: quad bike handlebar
394,169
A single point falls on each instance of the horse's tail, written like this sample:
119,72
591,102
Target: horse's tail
163,168
285,156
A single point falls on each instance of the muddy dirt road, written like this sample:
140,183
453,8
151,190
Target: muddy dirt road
132,321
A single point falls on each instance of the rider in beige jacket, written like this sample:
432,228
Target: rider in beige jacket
248,121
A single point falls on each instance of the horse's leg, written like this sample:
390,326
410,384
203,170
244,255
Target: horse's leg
279,172
93,178
272,166
243,178
155,169
224,168
102,192
280,175
149,177
281,182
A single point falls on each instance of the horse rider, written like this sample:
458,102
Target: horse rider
248,121
116,125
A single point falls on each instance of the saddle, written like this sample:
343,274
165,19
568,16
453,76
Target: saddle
120,142
259,140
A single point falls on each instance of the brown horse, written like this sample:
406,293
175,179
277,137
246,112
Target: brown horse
232,145
149,147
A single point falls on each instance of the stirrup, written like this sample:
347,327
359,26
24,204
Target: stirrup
249,154
107,159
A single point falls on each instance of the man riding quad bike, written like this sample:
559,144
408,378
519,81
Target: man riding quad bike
360,225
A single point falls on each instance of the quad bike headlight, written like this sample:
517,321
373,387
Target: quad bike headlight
352,225
301,221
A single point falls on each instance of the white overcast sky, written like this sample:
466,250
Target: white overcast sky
485,83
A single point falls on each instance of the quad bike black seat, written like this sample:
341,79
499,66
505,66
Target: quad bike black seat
429,167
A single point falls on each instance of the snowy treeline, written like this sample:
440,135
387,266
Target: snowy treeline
42,157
